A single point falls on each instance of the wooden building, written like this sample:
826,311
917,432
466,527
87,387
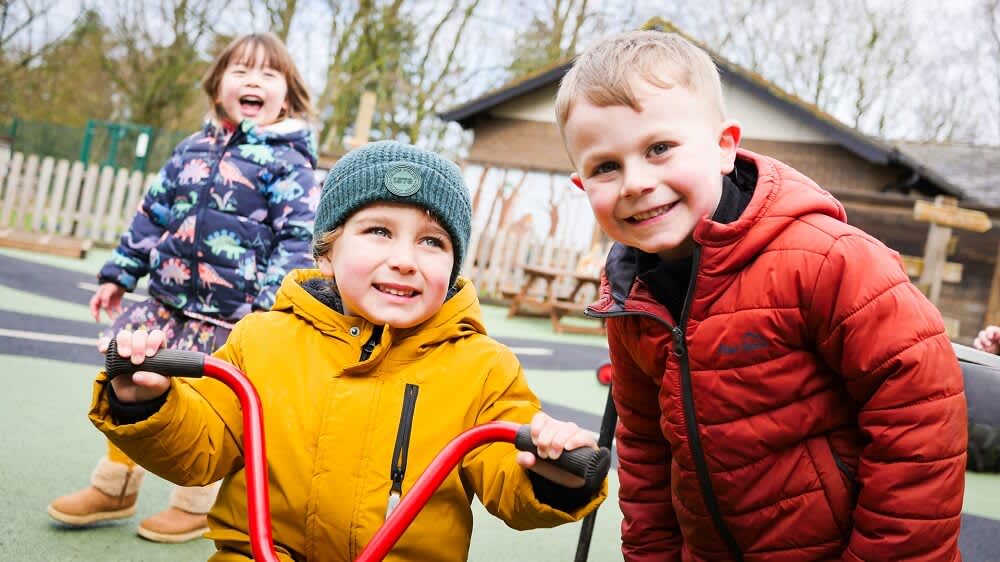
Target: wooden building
878,181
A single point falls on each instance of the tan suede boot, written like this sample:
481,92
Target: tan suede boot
186,518
112,494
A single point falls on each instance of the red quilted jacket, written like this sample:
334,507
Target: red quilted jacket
807,405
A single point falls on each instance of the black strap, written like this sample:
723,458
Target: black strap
604,439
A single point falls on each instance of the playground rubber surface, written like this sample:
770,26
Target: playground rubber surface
48,361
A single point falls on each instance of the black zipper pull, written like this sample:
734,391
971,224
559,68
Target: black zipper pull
399,454
369,346
367,349
680,348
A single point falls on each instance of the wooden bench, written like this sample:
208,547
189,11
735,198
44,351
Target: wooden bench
509,293
561,308
46,243
522,304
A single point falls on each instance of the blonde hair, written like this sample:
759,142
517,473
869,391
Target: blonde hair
603,72
244,50
323,243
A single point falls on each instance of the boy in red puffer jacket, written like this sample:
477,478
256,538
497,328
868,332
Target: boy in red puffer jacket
784,392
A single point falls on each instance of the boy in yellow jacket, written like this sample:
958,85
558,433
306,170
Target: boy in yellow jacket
366,368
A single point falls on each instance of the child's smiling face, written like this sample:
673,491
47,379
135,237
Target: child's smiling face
250,89
392,264
651,173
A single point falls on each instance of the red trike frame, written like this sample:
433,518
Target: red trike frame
255,464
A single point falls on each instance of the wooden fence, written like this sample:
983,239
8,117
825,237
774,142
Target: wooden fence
496,260
60,198
92,204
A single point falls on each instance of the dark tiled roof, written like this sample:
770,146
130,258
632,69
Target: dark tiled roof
975,169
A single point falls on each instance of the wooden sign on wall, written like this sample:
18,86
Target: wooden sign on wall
933,268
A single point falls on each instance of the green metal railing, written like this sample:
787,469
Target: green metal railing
121,145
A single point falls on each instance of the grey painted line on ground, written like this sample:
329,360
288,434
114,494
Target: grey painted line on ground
565,356
534,354
48,281
73,353
46,324
46,337
44,280
66,285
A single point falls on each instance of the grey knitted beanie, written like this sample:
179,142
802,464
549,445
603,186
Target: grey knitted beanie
393,172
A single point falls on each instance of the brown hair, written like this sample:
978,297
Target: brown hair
323,243
602,73
276,56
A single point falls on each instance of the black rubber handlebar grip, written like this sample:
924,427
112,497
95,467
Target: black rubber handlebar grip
166,362
590,464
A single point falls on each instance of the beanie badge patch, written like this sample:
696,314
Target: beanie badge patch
402,180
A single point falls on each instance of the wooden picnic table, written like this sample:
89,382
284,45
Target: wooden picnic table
525,305
552,305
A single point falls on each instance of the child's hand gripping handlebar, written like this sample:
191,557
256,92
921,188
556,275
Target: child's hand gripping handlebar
589,464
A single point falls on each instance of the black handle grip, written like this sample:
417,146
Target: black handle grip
590,464
166,362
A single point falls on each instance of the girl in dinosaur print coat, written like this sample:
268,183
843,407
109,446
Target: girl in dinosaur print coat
227,217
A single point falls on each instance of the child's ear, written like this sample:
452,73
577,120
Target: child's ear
575,178
729,141
325,266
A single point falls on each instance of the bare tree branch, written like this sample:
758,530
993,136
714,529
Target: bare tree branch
279,14
16,18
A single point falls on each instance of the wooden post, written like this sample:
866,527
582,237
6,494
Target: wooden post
363,122
935,254
943,214
993,309
934,269
10,194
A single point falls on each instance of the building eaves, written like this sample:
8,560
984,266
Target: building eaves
465,113
867,148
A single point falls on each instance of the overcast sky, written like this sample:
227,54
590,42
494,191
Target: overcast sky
498,27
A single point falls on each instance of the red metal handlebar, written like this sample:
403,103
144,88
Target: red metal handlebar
255,464
424,487
254,457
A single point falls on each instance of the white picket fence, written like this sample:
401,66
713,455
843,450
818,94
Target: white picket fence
59,197
95,203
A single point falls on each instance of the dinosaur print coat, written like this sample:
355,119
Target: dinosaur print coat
230,214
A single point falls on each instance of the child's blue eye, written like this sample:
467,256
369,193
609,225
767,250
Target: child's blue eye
378,231
604,168
659,148
434,241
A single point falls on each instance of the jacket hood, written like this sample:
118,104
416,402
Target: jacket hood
296,133
460,316
782,196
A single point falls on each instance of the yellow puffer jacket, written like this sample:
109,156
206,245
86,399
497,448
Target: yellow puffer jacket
331,423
